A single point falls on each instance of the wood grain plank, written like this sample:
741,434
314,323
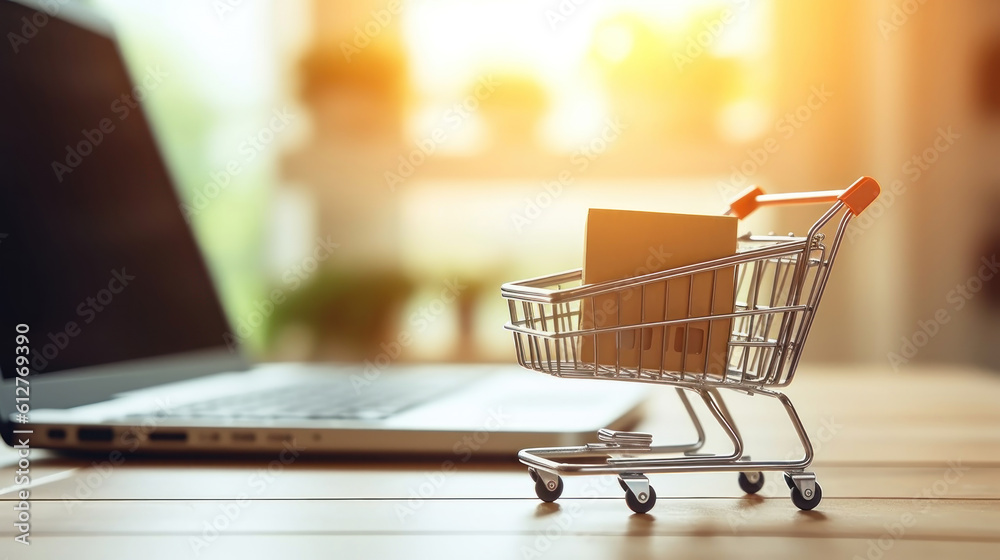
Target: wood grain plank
554,546
382,482
967,520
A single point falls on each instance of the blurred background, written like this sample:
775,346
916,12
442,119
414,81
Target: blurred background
385,166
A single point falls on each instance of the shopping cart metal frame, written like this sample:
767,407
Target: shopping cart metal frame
766,342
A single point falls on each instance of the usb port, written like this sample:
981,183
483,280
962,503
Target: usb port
168,436
243,437
95,434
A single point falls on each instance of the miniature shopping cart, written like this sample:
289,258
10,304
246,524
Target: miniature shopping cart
778,282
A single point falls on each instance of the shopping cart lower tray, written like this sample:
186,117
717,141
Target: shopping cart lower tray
779,281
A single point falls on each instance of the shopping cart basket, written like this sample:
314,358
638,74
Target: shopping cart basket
779,281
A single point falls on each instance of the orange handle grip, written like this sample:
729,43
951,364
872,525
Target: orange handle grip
856,197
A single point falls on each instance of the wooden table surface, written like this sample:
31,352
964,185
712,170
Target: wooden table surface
909,464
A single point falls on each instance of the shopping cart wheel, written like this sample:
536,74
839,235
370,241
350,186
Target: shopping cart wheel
751,483
789,482
534,475
804,504
547,494
640,507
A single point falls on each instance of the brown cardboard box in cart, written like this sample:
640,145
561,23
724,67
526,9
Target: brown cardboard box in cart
624,244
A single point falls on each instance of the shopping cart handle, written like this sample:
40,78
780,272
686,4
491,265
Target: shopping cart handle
856,197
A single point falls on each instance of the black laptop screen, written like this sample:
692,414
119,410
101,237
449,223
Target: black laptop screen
95,255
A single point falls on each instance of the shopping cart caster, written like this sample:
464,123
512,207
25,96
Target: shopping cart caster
752,482
639,495
548,487
806,504
806,492
640,507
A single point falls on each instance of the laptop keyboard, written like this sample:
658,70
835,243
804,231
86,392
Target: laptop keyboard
333,400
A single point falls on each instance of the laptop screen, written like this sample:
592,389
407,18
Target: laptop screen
96,258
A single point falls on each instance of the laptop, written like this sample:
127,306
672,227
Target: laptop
113,335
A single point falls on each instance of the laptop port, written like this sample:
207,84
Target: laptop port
95,434
243,437
57,433
168,436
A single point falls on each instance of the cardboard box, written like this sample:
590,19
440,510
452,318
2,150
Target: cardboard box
624,244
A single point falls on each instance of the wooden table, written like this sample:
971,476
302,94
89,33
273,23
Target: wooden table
909,464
